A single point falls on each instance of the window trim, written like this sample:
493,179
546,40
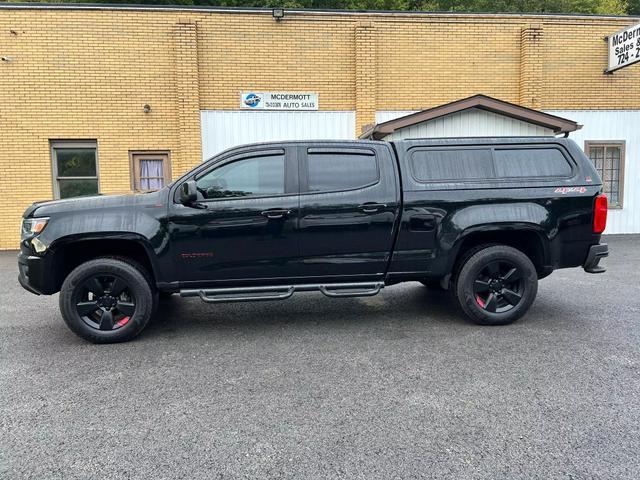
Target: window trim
304,167
622,144
134,163
61,144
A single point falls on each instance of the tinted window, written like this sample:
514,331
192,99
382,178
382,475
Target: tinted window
341,171
439,165
250,177
531,162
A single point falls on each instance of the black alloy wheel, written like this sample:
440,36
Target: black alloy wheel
498,287
105,302
108,300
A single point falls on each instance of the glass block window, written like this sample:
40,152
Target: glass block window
608,158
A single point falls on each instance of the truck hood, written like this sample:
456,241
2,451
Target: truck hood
96,202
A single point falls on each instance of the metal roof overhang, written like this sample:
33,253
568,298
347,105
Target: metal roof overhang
559,125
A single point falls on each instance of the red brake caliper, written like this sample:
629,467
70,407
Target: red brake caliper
123,321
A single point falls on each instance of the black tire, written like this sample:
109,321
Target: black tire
432,284
496,285
115,318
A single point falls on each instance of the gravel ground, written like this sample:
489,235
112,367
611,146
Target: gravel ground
393,386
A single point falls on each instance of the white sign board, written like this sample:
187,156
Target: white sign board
624,48
279,100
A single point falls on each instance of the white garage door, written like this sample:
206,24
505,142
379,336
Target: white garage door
222,129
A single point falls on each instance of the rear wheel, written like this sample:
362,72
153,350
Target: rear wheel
496,285
107,300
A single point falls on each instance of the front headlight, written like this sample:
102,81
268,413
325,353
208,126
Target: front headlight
33,226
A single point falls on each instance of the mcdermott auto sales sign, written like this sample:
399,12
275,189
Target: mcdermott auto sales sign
624,48
279,100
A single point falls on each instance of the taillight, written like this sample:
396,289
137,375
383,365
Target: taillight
600,213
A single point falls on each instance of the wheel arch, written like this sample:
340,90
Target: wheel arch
530,239
69,252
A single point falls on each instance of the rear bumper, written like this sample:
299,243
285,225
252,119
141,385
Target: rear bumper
596,253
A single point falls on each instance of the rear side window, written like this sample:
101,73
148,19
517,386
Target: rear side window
531,162
445,165
341,170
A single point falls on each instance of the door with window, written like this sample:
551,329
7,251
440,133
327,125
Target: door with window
349,202
243,226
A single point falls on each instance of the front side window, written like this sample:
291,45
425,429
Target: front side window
341,171
75,169
608,158
250,177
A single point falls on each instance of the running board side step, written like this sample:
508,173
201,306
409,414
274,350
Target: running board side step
282,292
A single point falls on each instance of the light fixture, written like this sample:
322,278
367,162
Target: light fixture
278,14
147,108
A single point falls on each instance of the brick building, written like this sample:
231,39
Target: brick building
90,96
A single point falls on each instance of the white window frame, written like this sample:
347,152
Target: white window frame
59,144
622,145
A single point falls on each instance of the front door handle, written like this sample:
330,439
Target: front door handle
276,213
371,207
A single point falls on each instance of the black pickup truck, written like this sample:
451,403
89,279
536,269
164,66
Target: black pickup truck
483,217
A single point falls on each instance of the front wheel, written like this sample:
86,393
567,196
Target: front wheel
107,300
496,285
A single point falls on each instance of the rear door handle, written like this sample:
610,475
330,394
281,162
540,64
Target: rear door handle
371,207
276,213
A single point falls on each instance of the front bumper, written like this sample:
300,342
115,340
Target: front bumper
34,274
596,253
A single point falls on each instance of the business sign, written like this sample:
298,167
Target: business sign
624,48
279,100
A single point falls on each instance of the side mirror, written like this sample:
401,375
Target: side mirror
188,193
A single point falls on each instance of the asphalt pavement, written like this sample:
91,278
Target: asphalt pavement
396,386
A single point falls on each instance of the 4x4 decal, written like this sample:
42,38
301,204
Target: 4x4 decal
565,190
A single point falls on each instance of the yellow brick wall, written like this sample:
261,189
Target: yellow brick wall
422,64
86,74
531,62
253,52
575,56
80,75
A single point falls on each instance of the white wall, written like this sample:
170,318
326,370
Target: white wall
615,125
222,129
468,123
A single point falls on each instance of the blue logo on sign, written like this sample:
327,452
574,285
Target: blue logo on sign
252,100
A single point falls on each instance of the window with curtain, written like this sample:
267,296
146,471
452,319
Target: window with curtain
150,170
